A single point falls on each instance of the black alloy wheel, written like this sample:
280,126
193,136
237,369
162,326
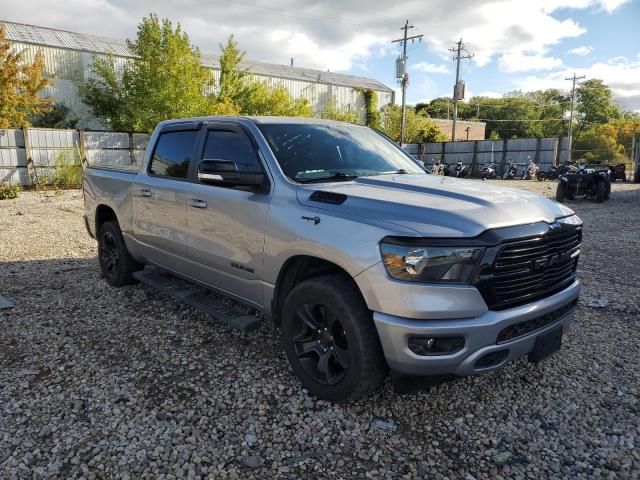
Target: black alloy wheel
109,254
320,343
116,262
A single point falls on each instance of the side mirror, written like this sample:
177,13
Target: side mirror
225,172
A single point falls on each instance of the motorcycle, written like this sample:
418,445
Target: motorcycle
488,171
440,168
461,170
511,171
531,171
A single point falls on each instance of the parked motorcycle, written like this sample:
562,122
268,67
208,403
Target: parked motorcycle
489,170
531,171
460,170
440,168
511,171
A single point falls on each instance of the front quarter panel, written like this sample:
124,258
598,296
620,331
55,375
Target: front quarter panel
347,241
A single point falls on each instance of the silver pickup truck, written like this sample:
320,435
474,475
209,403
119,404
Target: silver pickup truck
364,261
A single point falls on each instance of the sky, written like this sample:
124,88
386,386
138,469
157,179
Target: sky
517,45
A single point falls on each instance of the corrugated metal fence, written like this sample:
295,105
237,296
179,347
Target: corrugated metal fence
475,154
32,155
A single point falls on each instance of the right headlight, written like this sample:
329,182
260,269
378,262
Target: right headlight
432,264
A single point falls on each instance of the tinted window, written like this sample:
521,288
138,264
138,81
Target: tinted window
316,151
234,146
173,153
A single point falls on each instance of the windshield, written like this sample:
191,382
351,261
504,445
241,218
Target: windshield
314,152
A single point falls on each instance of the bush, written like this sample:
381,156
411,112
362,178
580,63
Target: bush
68,173
8,191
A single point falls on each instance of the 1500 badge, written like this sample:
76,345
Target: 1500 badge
242,267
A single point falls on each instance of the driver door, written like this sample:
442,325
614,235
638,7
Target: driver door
226,223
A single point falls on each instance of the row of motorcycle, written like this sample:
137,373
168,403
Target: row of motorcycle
512,171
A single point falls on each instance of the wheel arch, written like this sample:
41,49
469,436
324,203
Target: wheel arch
104,213
299,268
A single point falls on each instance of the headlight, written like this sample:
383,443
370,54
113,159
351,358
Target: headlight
430,264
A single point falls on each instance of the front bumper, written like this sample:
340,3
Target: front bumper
480,334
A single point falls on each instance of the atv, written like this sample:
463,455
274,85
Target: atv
588,182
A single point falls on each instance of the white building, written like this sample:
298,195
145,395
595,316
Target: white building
68,56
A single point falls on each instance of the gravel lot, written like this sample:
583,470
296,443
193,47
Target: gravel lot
98,382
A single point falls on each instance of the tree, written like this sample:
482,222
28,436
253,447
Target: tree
595,104
60,116
238,93
331,111
419,127
164,79
21,85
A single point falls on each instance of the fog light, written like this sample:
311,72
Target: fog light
429,346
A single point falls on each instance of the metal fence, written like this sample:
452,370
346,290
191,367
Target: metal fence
475,154
31,156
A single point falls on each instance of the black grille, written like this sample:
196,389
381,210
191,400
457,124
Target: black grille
535,267
525,328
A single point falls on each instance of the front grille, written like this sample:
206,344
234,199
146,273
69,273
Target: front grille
529,326
535,267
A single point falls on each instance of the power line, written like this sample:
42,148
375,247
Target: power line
457,93
405,75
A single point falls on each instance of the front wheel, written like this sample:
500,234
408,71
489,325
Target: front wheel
116,263
561,192
330,339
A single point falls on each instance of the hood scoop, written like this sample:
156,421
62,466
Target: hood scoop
333,198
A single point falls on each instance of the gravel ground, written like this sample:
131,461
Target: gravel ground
98,382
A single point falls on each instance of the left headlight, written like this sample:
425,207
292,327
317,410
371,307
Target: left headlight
430,264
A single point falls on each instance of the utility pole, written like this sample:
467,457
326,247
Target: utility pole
573,99
404,78
460,54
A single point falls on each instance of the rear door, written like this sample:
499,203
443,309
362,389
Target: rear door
161,194
226,224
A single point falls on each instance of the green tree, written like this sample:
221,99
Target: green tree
164,79
419,127
595,105
239,93
331,111
21,86
60,116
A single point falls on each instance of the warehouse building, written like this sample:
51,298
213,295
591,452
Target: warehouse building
68,56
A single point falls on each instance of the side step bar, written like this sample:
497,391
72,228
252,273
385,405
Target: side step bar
197,297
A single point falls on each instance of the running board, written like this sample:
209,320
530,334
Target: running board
207,302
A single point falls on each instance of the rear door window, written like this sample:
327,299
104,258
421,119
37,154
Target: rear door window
173,154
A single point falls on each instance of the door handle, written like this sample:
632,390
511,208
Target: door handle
143,192
197,203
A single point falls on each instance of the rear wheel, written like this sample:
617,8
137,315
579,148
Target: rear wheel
116,263
600,192
330,339
561,192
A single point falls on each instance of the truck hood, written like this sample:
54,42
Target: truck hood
434,206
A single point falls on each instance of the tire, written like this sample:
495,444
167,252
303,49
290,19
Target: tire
560,192
600,192
607,190
330,339
116,263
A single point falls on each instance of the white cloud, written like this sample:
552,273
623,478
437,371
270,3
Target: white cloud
582,51
321,33
522,62
430,67
621,74
326,34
